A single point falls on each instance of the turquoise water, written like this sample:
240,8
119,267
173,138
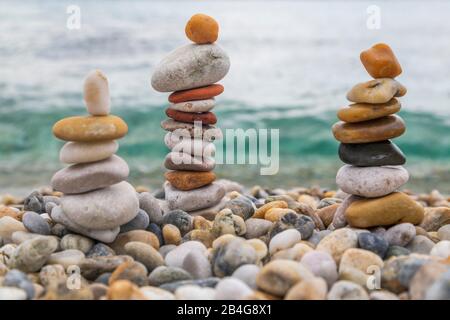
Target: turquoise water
292,64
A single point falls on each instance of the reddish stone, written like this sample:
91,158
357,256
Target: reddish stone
196,94
204,117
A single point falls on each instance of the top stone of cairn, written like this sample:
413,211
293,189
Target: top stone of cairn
202,29
96,94
380,61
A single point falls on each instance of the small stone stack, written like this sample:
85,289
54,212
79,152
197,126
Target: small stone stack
192,72
374,169
97,200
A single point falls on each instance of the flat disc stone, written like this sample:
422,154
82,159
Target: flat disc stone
383,153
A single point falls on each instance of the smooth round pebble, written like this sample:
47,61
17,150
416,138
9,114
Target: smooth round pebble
232,289
35,223
284,240
247,273
400,234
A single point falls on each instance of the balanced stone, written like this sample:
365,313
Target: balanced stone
83,152
195,147
90,128
102,209
96,94
394,208
200,198
190,66
371,182
380,61
202,29
204,117
80,178
376,91
202,93
359,112
204,105
201,131
184,161
369,131
188,180
382,153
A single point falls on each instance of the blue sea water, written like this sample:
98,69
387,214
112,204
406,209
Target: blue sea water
292,64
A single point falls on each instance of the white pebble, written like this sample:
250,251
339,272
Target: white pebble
96,94
284,240
441,249
232,289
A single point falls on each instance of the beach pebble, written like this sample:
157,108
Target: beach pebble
190,66
35,223
347,290
398,271
357,265
92,268
21,236
226,222
197,264
18,279
193,292
32,254
326,214
278,276
90,129
145,254
284,240
424,278
295,253
394,208
99,250
202,29
435,218
185,161
150,205
8,226
52,274
400,234
6,252
200,198
189,180
84,177
156,230
163,274
124,290
302,223
441,249
322,265
203,283
179,218
34,202
371,182
75,241
140,222
102,209
394,251
86,152
420,244
308,289
58,229
382,153
99,290
380,61
171,234
176,256
66,258
257,227
135,235
204,117
337,242
247,273
382,295
317,236
241,206
96,94
184,144
194,106
201,93
376,91
259,246
360,112
439,290
444,232
374,243
232,289
12,293
132,271
152,293
229,256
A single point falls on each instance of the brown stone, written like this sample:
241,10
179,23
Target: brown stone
359,112
202,29
394,208
196,94
171,234
369,131
376,91
189,180
435,218
326,214
203,117
135,235
380,61
276,214
261,212
124,290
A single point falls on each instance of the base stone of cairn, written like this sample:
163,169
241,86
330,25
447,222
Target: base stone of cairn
97,200
373,172
191,73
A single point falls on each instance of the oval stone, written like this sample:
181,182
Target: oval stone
382,153
200,198
359,112
195,130
191,66
204,105
35,223
394,208
369,131
83,152
96,93
102,209
380,61
189,180
90,128
80,178
195,147
203,117
202,93
184,161
376,91
371,182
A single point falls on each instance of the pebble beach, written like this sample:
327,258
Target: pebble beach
91,234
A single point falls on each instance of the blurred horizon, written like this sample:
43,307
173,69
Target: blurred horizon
292,63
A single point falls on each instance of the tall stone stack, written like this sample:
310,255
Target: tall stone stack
191,73
97,200
373,171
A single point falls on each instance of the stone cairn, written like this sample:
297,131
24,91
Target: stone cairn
373,170
191,73
97,200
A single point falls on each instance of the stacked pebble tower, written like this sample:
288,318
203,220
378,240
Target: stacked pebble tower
373,170
191,72
97,200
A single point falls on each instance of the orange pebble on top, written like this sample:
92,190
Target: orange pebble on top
202,29
380,61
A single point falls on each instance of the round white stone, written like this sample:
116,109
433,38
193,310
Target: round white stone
194,105
84,152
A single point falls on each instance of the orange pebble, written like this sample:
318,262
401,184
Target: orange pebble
380,61
202,29
200,93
